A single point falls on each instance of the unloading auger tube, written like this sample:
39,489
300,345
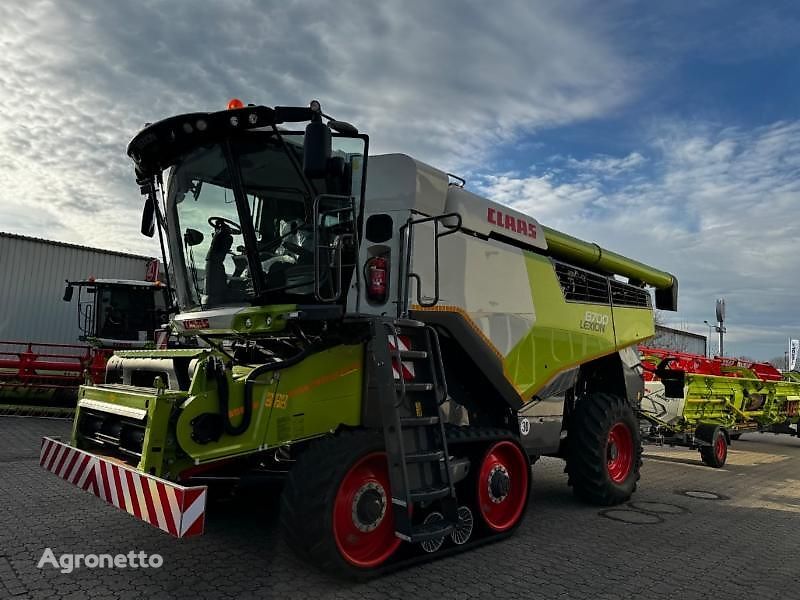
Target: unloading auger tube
590,255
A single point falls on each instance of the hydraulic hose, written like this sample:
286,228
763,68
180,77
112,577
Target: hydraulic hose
216,369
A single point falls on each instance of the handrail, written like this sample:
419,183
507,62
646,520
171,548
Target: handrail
407,233
336,290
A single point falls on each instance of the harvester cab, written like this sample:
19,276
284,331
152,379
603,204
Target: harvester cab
257,216
119,313
397,348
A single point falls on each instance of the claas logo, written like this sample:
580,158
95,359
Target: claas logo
512,223
195,324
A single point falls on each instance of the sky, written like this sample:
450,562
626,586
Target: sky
669,132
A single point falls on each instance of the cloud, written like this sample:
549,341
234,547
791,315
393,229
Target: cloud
447,85
464,86
607,166
718,212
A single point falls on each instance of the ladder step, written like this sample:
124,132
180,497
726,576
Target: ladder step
414,387
420,457
418,421
429,493
408,323
433,530
413,354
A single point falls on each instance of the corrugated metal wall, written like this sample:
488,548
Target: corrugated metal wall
680,341
32,274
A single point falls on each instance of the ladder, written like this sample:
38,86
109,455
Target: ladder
416,445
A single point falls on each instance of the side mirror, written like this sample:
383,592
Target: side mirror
148,217
68,292
192,237
316,149
343,127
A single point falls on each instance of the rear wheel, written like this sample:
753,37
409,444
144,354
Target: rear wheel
605,450
503,482
716,454
336,507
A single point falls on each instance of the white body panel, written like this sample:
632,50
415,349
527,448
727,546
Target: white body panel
398,182
655,403
487,279
484,216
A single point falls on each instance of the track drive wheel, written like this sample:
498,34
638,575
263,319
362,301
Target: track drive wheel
605,450
336,507
503,484
716,454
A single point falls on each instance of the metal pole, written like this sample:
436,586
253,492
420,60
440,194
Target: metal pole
721,330
708,339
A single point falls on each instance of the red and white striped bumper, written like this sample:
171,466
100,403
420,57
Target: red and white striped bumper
178,510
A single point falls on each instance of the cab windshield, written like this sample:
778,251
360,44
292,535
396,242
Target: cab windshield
243,218
129,313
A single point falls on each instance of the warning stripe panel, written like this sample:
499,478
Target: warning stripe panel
178,510
407,367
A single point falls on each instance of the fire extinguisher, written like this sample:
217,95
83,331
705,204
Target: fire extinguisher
376,279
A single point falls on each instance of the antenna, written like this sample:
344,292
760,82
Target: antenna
720,323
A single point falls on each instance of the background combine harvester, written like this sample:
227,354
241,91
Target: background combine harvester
705,403
112,314
397,348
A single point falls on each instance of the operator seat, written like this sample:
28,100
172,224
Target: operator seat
216,283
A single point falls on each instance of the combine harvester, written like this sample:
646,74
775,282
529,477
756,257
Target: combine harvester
705,403
112,314
396,348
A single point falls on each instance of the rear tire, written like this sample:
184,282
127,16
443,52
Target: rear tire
502,486
715,455
334,483
605,450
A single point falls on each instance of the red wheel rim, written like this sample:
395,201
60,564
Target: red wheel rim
619,452
370,542
720,447
503,485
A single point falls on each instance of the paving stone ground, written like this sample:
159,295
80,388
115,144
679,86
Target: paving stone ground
663,545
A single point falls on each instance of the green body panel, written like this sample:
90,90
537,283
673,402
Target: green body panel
305,400
176,353
251,320
158,447
308,399
567,334
262,319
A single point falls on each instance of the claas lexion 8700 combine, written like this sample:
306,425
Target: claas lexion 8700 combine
399,349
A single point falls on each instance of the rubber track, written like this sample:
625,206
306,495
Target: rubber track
471,435
306,511
307,500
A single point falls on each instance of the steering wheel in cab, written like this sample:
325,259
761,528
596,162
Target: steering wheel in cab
222,223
